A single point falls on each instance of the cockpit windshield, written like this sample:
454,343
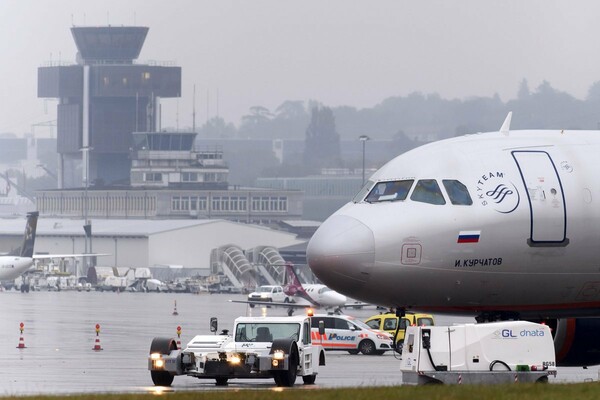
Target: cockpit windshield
425,191
457,192
390,191
324,289
360,196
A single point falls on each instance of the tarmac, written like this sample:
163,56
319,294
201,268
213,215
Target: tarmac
59,335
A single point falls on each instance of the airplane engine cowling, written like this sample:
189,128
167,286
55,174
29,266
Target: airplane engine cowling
576,341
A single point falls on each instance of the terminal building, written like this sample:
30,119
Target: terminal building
115,161
171,180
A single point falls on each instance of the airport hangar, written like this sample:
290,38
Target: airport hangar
144,243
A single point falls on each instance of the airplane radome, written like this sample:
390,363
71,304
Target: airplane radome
496,225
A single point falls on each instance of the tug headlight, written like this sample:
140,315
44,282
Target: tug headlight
278,355
157,361
235,359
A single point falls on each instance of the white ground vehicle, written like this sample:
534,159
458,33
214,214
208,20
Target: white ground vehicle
261,347
343,332
271,293
499,352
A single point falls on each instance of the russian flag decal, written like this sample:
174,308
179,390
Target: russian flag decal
468,237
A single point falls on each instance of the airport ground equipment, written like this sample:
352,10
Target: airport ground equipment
388,322
260,347
272,293
500,352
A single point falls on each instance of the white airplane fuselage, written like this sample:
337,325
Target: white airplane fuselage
11,267
321,295
529,243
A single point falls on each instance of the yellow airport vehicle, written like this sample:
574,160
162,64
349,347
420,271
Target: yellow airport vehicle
388,322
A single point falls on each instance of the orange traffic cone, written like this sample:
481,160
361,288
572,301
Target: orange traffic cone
21,344
175,309
97,346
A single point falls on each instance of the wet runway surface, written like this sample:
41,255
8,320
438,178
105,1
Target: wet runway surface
60,333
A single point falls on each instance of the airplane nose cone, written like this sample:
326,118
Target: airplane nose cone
341,252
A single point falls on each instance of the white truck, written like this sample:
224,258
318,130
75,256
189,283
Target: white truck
498,352
273,293
260,347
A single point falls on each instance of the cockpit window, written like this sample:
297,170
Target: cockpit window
457,192
360,196
390,191
428,191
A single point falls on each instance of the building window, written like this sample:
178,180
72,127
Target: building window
264,204
234,203
153,177
216,203
145,75
224,203
202,203
185,203
210,177
256,204
274,204
283,204
243,203
176,203
189,177
194,203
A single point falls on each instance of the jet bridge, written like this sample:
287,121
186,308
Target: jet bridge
230,260
269,263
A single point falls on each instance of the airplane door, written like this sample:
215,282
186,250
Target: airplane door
548,213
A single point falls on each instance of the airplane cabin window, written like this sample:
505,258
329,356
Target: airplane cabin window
457,192
428,191
389,191
360,196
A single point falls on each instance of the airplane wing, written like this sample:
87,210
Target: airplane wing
274,303
50,256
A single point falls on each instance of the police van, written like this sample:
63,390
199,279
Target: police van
349,334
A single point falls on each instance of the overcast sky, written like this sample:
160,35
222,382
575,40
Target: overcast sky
339,52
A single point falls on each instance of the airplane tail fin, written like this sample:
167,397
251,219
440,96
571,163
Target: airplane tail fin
291,284
26,249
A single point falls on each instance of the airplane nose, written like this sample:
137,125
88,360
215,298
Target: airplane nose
341,252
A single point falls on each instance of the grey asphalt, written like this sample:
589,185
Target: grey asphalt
59,335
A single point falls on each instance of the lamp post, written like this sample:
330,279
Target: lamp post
363,139
87,226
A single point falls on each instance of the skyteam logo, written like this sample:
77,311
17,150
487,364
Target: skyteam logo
494,191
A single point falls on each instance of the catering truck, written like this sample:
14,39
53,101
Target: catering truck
259,347
499,352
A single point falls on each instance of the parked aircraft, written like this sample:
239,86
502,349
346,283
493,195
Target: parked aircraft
17,262
307,295
498,225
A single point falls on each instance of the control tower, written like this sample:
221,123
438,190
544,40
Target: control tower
102,99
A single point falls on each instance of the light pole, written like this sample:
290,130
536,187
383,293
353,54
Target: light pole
87,226
363,139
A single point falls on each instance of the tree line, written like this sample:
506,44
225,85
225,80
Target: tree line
421,117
